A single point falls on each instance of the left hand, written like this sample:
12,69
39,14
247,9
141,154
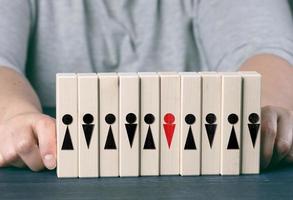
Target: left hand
276,136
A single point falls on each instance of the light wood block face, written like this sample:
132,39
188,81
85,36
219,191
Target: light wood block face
211,123
109,107
129,124
66,120
150,123
251,123
170,123
190,141
88,125
231,124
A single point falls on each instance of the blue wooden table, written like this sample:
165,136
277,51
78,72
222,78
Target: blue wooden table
24,184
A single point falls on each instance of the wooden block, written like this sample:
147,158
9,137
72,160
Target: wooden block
88,125
150,123
211,123
231,123
109,107
190,141
251,123
129,124
66,121
170,123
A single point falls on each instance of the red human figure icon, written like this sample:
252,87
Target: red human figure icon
169,127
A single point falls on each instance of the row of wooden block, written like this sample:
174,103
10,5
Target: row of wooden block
148,124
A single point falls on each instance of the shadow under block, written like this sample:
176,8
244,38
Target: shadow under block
231,124
149,123
211,123
109,121
88,125
251,123
190,141
129,124
66,120
170,123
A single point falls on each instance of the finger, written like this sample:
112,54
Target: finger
7,150
45,130
289,157
268,134
18,163
7,159
283,140
27,149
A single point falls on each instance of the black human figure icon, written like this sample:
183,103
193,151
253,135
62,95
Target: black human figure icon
253,127
131,127
88,128
190,143
233,143
211,127
110,141
67,142
149,141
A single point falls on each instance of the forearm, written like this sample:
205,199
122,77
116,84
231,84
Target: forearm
277,81
16,96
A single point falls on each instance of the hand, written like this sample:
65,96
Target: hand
277,136
28,139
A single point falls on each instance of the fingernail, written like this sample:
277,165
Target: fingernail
50,161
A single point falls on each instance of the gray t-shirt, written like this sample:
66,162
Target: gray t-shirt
41,38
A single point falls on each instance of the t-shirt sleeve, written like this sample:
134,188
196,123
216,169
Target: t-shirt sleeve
229,32
15,20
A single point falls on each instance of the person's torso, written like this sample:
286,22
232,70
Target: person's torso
108,36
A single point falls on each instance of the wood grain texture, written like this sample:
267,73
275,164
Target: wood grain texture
231,124
149,123
190,141
23,184
88,149
251,104
128,124
170,106
67,134
211,123
109,102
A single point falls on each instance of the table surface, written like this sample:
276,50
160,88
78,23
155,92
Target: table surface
24,184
